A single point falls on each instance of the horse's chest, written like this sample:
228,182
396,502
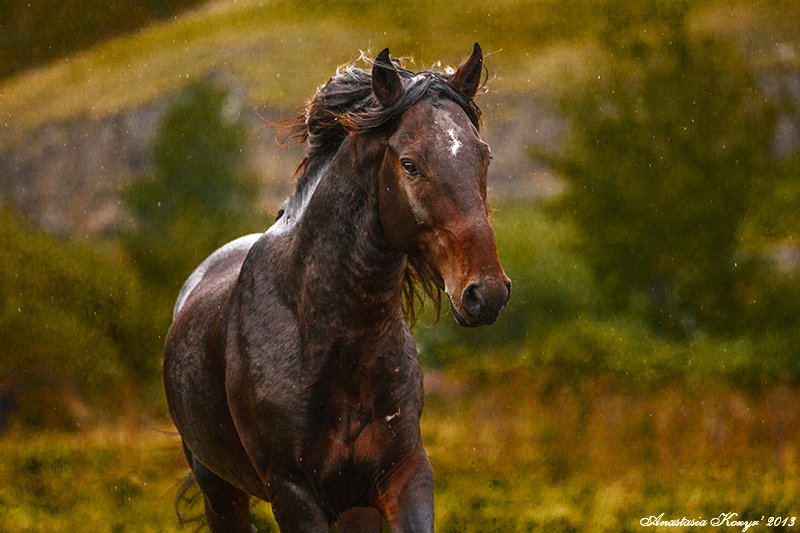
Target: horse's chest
349,455
358,439
349,429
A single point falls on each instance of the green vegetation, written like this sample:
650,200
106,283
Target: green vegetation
527,452
77,329
198,196
119,481
560,320
85,322
666,154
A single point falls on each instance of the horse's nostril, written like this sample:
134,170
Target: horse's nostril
508,290
471,300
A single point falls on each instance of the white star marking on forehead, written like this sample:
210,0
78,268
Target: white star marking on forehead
455,144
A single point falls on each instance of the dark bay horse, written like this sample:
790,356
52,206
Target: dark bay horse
290,369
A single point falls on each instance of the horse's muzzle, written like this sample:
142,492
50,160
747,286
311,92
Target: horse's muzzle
482,301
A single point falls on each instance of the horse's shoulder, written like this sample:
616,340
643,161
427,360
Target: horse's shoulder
225,262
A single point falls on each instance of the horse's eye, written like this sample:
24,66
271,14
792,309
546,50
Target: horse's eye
409,167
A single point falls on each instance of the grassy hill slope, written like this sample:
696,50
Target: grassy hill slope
280,50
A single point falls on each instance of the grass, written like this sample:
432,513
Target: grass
538,455
512,450
117,480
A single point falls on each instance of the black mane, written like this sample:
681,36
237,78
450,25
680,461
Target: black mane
345,105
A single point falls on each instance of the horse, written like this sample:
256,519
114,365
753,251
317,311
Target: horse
290,369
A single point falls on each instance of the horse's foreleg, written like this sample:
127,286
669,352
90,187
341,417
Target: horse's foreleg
406,500
295,508
227,508
360,520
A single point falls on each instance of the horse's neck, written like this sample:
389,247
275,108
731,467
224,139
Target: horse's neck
348,276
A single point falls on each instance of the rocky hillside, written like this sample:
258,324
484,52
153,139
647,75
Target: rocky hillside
68,174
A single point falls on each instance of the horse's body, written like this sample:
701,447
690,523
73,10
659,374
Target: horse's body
290,369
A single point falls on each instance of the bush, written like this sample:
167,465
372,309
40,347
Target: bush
78,327
559,322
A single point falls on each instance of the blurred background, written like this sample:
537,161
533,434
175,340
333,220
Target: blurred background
646,199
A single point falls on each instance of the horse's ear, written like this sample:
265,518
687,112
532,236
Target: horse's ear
386,84
467,78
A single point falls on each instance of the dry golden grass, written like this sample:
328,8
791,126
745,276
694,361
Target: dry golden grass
511,451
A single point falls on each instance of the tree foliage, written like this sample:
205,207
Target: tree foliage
197,196
83,325
665,154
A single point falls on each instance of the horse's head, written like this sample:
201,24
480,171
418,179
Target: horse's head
432,192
